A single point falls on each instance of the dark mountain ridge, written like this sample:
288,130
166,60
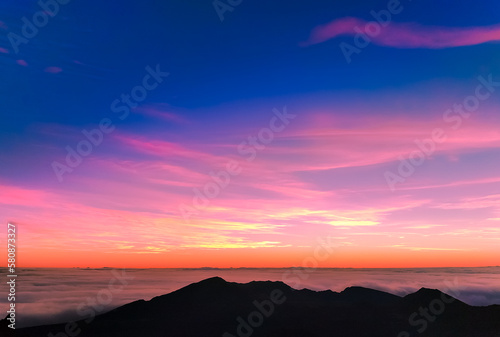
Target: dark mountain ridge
214,307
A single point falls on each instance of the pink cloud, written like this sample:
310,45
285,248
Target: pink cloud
12,195
407,35
22,63
3,50
168,150
53,70
324,145
160,111
157,147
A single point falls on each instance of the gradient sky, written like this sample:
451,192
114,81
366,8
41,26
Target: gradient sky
323,176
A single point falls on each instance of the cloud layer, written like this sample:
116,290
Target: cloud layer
54,295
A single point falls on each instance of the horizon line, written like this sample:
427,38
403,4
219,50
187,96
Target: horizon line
222,268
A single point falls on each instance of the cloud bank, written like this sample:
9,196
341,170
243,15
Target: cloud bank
54,295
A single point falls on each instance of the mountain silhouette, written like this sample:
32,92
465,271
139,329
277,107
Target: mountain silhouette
214,307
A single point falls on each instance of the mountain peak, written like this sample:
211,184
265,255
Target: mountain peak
423,293
427,295
362,294
427,292
213,280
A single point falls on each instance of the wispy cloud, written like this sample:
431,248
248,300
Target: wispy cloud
162,112
408,35
53,70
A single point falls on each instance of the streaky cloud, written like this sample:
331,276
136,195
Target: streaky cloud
406,35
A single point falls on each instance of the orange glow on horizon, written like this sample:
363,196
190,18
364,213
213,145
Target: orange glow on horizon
256,258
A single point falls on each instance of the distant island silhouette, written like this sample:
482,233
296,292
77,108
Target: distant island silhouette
214,307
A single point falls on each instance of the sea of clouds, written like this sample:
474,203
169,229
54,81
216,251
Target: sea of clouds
46,296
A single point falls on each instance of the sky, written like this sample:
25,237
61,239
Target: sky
250,133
